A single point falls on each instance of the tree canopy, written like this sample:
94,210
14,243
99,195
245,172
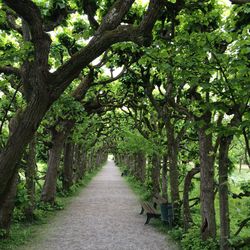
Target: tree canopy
161,85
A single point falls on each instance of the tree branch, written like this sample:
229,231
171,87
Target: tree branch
29,11
241,225
240,195
89,8
57,20
31,14
239,1
9,70
181,109
83,87
149,19
104,59
11,20
115,15
103,40
112,79
8,108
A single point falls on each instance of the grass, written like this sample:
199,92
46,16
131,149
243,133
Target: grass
22,232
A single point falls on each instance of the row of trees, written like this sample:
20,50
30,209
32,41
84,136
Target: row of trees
191,104
45,53
181,102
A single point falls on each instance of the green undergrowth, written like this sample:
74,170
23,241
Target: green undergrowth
239,210
23,232
144,194
138,188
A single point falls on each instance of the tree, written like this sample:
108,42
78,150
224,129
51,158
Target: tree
43,88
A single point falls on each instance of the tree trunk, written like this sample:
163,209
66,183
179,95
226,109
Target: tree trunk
68,166
132,163
7,202
7,207
186,209
140,166
49,187
156,167
246,158
90,160
165,177
58,140
223,192
83,162
30,175
77,162
27,123
45,87
208,227
173,166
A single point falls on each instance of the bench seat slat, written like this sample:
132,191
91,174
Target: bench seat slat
148,208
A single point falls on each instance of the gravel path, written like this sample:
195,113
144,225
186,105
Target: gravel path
105,216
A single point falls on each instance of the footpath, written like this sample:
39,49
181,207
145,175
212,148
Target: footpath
105,216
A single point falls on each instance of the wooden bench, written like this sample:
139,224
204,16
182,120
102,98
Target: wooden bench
158,200
167,213
150,211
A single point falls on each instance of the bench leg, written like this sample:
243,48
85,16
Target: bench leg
149,216
155,205
148,219
142,210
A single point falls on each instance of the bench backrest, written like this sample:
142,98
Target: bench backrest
159,199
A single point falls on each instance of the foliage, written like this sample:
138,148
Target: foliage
142,191
197,64
245,187
134,142
176,233
191,240
22,232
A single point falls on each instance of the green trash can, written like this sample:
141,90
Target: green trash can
167,213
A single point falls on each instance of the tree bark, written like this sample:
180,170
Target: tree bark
223,192
27,123
68,166
30,175
208,227
155,174
7,207
140,163
77,162
7,202
58,140
246,158
186,209
173,166
132,163
90,161
165,177
49,187
83,162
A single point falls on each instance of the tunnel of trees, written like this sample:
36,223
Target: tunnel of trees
163,85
